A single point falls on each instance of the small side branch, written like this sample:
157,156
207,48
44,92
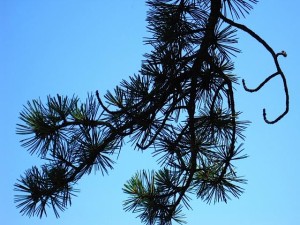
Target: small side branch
261,84
278,73
250,32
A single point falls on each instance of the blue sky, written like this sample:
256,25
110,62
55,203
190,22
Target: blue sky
72,46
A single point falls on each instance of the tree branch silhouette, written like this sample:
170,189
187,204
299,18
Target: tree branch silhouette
181,106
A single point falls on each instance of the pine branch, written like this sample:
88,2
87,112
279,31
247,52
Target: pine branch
181,105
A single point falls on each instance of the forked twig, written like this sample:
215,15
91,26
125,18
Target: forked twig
278,73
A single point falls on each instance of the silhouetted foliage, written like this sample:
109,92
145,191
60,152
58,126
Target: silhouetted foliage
181,105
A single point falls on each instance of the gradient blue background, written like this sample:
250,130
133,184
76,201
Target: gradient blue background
76,46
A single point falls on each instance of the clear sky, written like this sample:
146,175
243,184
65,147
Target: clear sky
75,46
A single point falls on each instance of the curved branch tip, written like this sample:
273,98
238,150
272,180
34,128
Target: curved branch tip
283,53
245,87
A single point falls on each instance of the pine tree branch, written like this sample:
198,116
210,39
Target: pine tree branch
279,71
